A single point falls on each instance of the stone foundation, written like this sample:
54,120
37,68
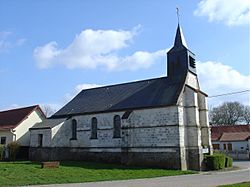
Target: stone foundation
77,154
169,160
195,158
149,159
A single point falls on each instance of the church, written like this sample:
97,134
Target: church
160,122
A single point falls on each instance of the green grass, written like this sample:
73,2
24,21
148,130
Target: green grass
244,184
27,173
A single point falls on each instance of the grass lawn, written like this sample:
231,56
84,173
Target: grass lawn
27,173
244,184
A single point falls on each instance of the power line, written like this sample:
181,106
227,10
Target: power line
231,93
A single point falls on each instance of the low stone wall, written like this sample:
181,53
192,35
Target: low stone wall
170,160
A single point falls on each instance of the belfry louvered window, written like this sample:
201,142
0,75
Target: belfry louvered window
192,62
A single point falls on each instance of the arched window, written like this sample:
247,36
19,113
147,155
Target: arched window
117,127
94,128
73,129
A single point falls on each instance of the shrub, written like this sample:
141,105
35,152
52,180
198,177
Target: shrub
13,148
228,162
215,162
1,151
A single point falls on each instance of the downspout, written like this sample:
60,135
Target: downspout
13,132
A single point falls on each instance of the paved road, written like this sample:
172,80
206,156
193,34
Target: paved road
204,179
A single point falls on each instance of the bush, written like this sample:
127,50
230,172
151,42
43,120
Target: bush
215,162
1,151
13,148
228,162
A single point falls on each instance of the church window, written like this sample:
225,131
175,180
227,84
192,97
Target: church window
117,126
40,140
73,129
192,62
94,128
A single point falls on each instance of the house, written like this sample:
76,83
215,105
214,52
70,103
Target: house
15,124
160,122
233,140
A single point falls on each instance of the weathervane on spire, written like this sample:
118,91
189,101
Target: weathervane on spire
178,15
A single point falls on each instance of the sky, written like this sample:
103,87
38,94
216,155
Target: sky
51,50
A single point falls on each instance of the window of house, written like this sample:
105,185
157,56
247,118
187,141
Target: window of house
3,140
73,129
40,140
216,146
225,146
94,128
229,147
117,127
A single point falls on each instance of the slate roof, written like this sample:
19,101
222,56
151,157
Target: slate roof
234,136
48,123
134,95
217,131
10,119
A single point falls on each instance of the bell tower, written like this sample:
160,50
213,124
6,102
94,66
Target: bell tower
180,60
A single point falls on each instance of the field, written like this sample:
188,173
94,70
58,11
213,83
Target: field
27,173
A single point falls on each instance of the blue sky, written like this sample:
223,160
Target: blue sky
50,50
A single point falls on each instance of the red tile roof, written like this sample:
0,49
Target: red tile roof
217,131
234,136
10,119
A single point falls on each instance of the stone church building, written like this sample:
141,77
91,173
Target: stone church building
160,122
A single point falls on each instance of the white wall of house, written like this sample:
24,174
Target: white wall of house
236,145
22,130
10,137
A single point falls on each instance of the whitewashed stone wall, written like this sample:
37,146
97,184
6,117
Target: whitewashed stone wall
143,128
46,137
192,81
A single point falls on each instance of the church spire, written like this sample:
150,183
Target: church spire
179,38
180,60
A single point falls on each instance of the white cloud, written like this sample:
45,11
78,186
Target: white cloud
4,43
96,48
7,41
231,12
216,78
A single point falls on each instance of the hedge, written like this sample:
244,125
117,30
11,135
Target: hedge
13,148
218,161
229,162
215,162
1,151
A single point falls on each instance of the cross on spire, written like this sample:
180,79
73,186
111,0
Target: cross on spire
178,15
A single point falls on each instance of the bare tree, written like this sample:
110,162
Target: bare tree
246,114
229,113
48,110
